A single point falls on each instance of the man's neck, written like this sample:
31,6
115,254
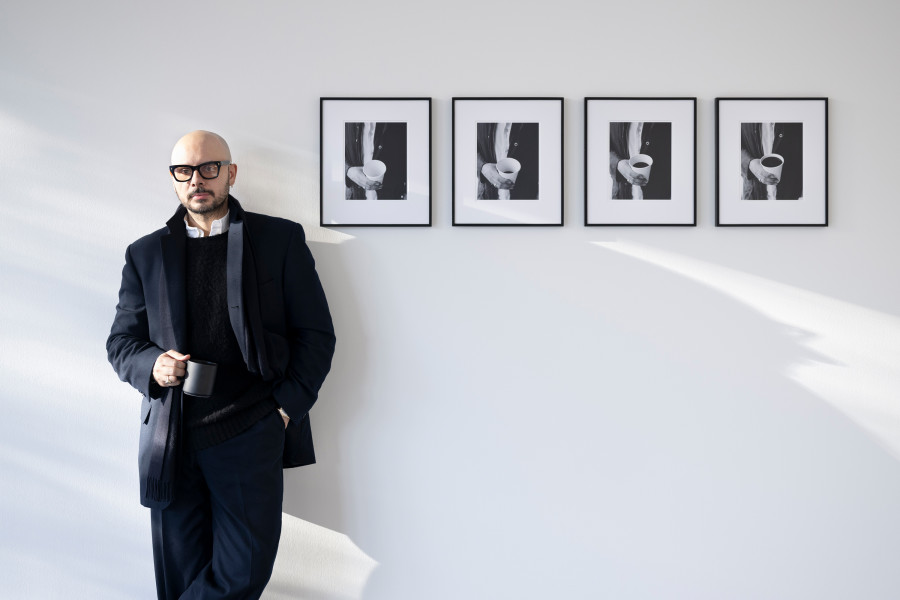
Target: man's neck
204,222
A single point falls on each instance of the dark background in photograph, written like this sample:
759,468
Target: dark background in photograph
789,144
656,142
389,148
523,146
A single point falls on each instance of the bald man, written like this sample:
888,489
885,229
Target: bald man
238,289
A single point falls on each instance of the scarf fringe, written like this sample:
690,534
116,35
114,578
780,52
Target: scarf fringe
158,490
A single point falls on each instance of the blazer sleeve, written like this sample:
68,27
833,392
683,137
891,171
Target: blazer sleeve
309,330
128,346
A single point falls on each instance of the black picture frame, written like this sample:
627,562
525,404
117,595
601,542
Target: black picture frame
390,138
632,129
791,133
524,134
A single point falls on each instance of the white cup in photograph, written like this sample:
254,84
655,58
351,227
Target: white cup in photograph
375,170
640,164
509,168
772,164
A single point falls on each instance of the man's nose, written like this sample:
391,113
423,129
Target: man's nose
196,178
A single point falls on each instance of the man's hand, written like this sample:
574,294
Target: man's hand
761,174
357,176
489,170
630,175
169,369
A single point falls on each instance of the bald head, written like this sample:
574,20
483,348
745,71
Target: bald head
205,194
199,147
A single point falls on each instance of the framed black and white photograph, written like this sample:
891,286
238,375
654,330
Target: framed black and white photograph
640,161
772,161
375,161
507,161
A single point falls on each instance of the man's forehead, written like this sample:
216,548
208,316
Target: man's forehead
200,146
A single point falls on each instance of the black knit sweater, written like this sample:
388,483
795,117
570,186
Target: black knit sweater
239,398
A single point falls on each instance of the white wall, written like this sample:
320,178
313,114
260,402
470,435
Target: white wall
627,413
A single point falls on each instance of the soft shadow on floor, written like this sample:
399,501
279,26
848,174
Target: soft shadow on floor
315,563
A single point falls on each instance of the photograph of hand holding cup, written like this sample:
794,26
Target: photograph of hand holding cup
508,170
373,171
637,169
507,161
375,160
767,169
772,161
637,149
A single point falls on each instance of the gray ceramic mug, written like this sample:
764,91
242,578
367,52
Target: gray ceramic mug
200,378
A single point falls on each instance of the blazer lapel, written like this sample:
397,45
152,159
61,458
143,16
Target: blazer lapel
234,273
243,294
173,295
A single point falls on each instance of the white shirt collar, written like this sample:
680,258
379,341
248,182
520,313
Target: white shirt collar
218,226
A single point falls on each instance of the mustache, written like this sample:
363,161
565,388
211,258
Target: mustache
200,191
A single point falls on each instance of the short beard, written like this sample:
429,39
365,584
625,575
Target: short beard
218,201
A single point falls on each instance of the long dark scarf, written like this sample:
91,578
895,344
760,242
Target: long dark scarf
158,486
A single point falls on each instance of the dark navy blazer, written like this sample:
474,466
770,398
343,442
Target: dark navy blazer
297,329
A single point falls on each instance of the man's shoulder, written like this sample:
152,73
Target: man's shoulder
261,224
149,241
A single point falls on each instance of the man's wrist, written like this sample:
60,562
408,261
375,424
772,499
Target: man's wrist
283,414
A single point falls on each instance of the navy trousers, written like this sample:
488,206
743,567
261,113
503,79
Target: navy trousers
219,537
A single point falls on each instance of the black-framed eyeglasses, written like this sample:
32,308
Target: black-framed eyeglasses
208,170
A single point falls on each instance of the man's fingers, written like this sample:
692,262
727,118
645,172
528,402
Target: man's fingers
167,366
173,370
170,368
